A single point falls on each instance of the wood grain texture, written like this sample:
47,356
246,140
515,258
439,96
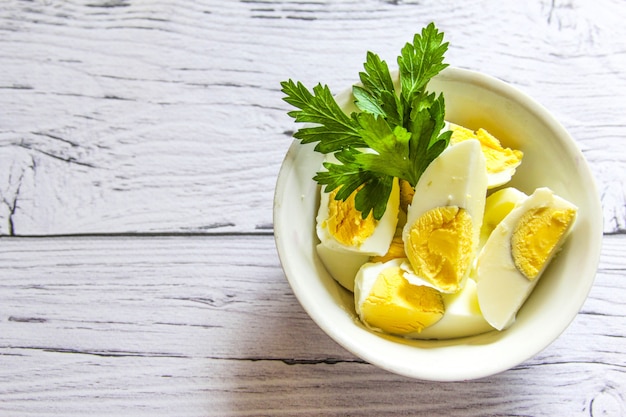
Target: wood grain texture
193,326
140,142
149,117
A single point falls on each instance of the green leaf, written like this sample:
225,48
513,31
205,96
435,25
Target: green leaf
348,176
427,140
334,131
374,196
376,77
367,102
377,96
391,147
393,136
420,61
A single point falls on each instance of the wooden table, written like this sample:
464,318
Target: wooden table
139,147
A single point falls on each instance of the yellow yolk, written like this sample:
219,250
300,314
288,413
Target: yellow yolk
396,307
406,195
439,246
460,133
442,230
345,222
498,159
396,250
536,236
517,253
341,227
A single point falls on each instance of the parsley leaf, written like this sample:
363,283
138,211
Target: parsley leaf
372,189
395,134
427,141
377,96
334,131
420,61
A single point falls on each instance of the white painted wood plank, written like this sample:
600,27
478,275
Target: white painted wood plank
138,117
125,117
75,386
196,326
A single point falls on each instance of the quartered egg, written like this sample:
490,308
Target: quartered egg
442,230
340,225
462,316
341,265
518,251
387,302
501,162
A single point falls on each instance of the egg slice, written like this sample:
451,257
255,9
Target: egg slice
442,230
342,266
340,225
518,251
501,162
462,316
386,302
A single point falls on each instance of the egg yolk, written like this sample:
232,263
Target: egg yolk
395,251
397,307
406,195
440,247
346,223
497,158
536,236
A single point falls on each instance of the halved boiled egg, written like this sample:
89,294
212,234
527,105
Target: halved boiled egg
341,265
442,230
387,302
340,226
501,162
462,316
518,251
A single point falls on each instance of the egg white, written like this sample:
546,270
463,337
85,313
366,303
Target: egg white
342,266
462,316
502,289
457,177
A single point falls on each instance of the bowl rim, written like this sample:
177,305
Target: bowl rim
364,347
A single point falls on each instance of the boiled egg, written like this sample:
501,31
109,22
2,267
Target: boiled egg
462,316
341,265
387,302
518,251
442,230
501,162
340,226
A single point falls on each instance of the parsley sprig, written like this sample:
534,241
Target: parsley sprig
396,134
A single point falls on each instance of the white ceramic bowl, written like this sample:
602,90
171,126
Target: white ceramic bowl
551,158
